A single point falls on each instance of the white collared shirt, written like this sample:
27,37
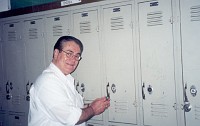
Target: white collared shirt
54,100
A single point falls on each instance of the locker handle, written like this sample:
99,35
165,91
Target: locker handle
107,93
27,91
187,107
7,89
77,84
143,86
28,87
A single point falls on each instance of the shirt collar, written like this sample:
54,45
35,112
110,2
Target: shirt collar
59,72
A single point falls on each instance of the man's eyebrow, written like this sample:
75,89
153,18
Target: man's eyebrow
69,51
72,52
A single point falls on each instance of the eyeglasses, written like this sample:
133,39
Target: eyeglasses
70,54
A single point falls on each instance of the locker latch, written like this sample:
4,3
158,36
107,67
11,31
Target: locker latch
150,89
113,88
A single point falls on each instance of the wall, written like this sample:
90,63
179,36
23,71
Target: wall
16,4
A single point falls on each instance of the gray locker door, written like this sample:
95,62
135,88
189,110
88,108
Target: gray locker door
13,57
119,61
57,25
3,103
34,56
35,48
190,29
85,27
157,64
88,73
2,84
1,31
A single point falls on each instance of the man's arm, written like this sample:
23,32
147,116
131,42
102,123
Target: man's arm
97,107
87,113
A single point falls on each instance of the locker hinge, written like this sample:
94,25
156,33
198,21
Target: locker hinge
135,104
97,29
175,106
131,24
43,34
68,32
171,20
20,37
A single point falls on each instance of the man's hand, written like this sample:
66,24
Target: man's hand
99,105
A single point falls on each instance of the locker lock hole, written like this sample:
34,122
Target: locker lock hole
150,89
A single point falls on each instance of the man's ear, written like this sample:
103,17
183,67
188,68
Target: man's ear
55,53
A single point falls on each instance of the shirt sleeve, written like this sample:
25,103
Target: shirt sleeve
57,102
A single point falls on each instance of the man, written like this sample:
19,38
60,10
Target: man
54,100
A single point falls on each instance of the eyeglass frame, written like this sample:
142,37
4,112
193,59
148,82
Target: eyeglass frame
71,55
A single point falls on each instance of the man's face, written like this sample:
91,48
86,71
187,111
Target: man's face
66,59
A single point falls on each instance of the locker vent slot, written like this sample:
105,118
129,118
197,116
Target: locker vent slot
159,110
57,30
121,107
195,13
12,36
85,27
2,112
16,100
117,23
154,18
197,112
33,34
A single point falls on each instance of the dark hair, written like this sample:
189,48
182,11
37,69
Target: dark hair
63,39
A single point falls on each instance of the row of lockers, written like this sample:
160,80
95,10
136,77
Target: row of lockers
144,54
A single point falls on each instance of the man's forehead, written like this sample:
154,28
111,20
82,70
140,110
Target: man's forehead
71,46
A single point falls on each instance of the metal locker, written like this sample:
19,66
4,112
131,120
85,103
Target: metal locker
57,25
1,30
157,63
190,33
1,76
119,62
33,36
3,103
88,73
13,57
